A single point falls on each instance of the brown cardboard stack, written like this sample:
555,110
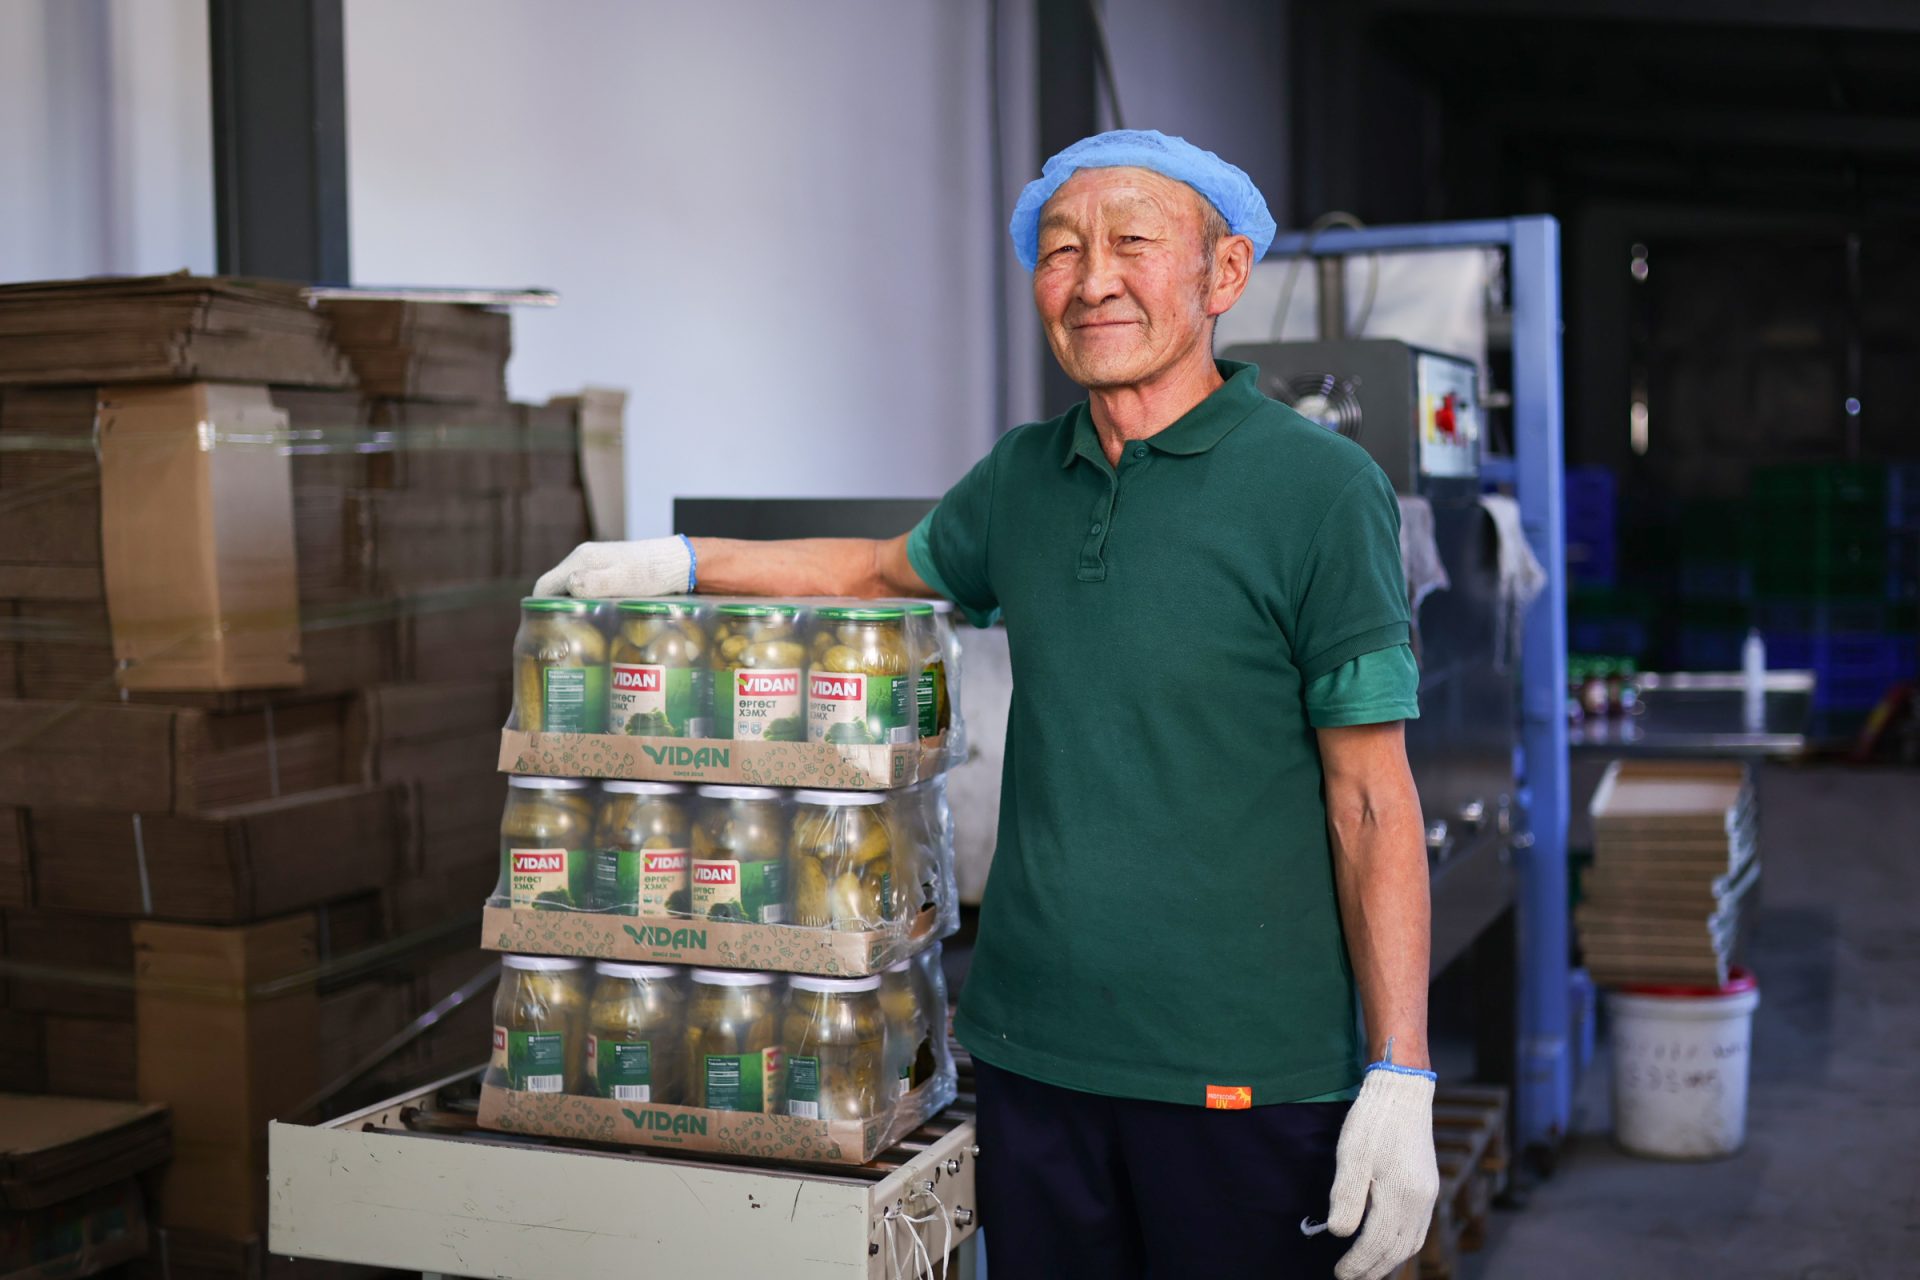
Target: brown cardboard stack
71,1200
1674,857
254,648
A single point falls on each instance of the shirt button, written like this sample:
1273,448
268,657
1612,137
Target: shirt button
1139,451
1096,527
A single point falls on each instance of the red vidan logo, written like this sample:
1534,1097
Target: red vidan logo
838,688
666,862
769,684
638,679
499,1037
528,862
716,873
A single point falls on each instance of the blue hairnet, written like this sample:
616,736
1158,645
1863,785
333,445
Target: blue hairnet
1226,187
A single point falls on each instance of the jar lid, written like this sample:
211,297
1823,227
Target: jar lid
920,609
732,977
1739,979
533,783
643,972
628,788
543,964
655,608
555,604
900,966
761,610
839,798
720,791
942,606
833,986
861,613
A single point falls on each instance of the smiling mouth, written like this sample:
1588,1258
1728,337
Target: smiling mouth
1102,324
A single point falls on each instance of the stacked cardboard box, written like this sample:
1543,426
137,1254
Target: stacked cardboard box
231,876
1674,856
71,1200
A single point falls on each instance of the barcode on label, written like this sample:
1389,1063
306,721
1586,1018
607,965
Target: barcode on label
633,1092
546,1084
805,1110
903,733
773,913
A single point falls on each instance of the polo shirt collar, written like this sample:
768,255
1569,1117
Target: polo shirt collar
1196,431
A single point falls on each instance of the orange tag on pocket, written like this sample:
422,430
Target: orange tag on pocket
1229,1097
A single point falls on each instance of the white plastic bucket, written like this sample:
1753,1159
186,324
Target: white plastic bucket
1680,1067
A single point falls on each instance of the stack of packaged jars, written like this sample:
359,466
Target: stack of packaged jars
852,861
725,1040
850,673
688,950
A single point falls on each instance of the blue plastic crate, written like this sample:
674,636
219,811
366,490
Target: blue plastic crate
1851,670
1630,637
1716,579
1699,648
1590,563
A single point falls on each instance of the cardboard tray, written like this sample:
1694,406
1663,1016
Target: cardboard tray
738,1133
713,944
764,764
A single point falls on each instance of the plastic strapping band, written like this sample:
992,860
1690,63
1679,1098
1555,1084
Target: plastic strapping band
140,858
273,756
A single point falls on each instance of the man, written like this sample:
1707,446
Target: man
1209,835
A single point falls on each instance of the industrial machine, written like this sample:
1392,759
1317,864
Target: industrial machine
414,1184
1418,414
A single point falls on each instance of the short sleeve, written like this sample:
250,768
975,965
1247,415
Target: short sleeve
1374,688
1352,590
948,548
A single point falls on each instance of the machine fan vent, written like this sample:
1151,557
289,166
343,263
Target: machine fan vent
1325,398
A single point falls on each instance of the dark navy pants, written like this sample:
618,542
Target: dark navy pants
1074,1184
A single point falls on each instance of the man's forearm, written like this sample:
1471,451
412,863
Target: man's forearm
806,567
1380,875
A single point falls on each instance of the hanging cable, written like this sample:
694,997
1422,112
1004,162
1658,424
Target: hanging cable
1332,218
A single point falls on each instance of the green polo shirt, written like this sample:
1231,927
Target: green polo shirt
1161,919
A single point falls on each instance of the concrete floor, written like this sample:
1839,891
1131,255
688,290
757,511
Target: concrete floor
1828,1186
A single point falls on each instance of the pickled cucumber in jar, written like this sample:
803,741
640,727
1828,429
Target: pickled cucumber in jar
637,1033
661,685
733,1041
840,861
862,688
910,1061
834,1037
931,700
642,840
759,661
739,855
559,668
948,638
546,845
539,1011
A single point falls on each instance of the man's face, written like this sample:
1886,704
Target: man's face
1123,283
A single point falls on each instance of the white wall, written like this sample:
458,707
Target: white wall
106,147
769,221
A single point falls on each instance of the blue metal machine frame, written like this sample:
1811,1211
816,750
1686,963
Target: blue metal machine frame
1544,1096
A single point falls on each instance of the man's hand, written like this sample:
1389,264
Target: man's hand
1385,1168
615,570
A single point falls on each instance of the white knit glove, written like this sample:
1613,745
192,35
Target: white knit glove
622,570
1385,1168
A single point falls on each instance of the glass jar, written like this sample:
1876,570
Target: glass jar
538,1011
661,685
636,1033
840,861
834,1036
739,855
641,839
948,637
931,699
910,1061
546,845
733,1041
862,688
559,668
759,665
